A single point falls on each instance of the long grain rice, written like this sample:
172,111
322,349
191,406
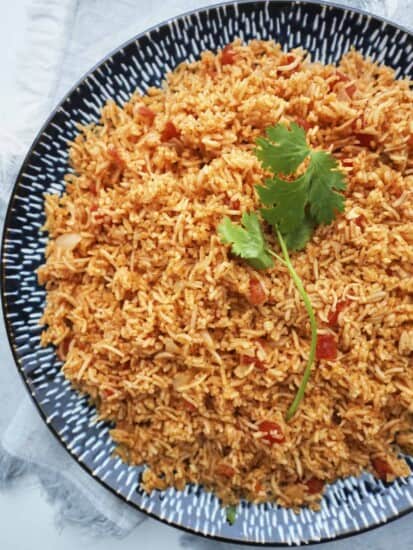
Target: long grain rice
152,315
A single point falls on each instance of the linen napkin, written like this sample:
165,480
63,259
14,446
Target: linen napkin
63,40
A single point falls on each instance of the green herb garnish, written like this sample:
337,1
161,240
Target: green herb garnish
293,208
248,242
231,513
296,207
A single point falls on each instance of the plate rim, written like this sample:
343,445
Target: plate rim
6,320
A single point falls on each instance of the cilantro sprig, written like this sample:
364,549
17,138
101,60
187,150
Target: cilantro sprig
296,207
248,241
293,207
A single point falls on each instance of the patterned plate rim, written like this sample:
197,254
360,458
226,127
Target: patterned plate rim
6,320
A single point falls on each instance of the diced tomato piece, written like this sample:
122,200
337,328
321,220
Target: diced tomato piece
360,220
410,142
336,78
228,56
348,163
93,207
382,468
258,487
288,59
350,90
115,156
333,315
211,72
303,123
232,203
273,432
170,131
188,405
326,347
314,485
225,470
147,113
92,188
257,295
249,360
108,392
133,138
64,347
342,77
364,139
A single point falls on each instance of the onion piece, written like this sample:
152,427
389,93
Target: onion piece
68,241
181,380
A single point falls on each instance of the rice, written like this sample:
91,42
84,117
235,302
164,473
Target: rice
153,318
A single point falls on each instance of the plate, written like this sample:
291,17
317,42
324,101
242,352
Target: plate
350,505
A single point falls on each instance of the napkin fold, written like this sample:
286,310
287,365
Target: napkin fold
64,39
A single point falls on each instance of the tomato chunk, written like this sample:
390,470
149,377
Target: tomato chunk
336,78
348,163
188,405
350,90
225,470
333,315
228,56
115,156
341,77
382,468
257,295
170,131
273,432
288,59
314,485
252,360
147,113
360,220
326,347
364,139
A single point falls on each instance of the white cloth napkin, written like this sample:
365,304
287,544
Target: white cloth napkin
64,39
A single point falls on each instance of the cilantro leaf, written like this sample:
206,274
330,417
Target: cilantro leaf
247,242
297,239
288,199
326,180
284,149
296,207
231,513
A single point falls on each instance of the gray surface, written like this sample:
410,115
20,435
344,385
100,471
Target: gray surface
27,519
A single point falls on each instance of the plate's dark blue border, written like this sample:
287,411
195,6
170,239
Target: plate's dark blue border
282,3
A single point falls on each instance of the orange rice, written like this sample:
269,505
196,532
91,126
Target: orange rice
191,352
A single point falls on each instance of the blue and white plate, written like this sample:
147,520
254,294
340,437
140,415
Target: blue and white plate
350,505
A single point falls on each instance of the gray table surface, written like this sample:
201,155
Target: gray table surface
27,519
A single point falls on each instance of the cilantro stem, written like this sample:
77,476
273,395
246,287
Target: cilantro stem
313,324
278,257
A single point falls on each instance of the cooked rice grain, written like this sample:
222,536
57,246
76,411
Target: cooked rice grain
152,315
